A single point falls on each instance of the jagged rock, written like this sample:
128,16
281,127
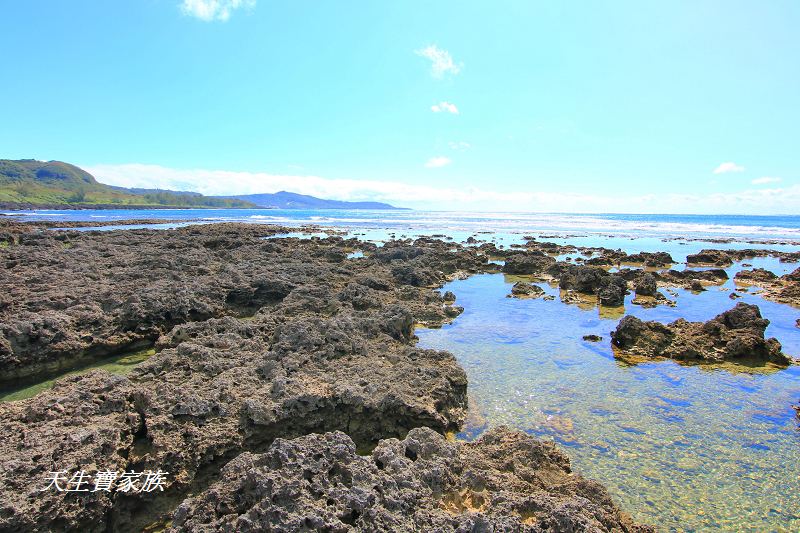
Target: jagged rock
583,279
50,433
592,338
505,481
692,279
612,290
645,285
533,262
754,275
792,276
522,289
710,257
650,259
326,346
734,334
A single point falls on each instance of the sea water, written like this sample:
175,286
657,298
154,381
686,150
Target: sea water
684,447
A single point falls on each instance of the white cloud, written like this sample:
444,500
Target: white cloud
459,145
220,182
445,107
728,167
211,10
438,162
441,61
766,179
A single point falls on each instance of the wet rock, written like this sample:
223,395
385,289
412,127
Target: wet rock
522,289
505,481
612,290
592,338
710,257
650,259
696,286
527,263
645,285
580,278
734,334
793,276
692,279
754,275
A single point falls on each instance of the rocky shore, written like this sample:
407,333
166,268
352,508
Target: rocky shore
732,335
261,342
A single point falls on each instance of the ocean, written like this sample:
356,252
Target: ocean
695,226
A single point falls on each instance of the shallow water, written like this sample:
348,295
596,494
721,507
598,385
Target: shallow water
682,447
119,364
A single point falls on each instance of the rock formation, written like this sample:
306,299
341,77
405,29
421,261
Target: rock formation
506,481
737,334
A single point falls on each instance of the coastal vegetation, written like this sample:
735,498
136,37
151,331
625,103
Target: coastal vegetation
30,183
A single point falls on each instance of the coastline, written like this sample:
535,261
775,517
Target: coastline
298,337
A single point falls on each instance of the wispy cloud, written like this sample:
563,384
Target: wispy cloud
211,10
220,182
459,145
765,179
441,61
438,162
445,107
724,168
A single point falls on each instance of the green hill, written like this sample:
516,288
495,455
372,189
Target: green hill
28,182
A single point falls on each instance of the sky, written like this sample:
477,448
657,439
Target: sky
688,106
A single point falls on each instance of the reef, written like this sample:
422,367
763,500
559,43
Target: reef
260,342
737,334
505,481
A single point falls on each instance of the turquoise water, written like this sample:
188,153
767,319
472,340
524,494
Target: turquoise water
682,447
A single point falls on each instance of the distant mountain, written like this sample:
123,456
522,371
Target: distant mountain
28,183
290,200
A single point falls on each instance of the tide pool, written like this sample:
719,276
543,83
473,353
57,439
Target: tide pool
681,447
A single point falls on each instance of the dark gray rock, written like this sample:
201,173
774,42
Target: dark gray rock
506,481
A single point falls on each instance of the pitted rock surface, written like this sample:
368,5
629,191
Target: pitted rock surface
734,334
505,481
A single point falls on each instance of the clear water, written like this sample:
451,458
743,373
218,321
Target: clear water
681,447
119,364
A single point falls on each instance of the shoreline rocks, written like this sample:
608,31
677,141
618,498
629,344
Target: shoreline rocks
505,481
522,289
737,334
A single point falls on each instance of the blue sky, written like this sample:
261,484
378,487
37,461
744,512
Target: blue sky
623,106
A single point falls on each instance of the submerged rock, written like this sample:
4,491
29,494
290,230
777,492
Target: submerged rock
734,334
505,481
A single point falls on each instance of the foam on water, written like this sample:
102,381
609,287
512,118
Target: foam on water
766,227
